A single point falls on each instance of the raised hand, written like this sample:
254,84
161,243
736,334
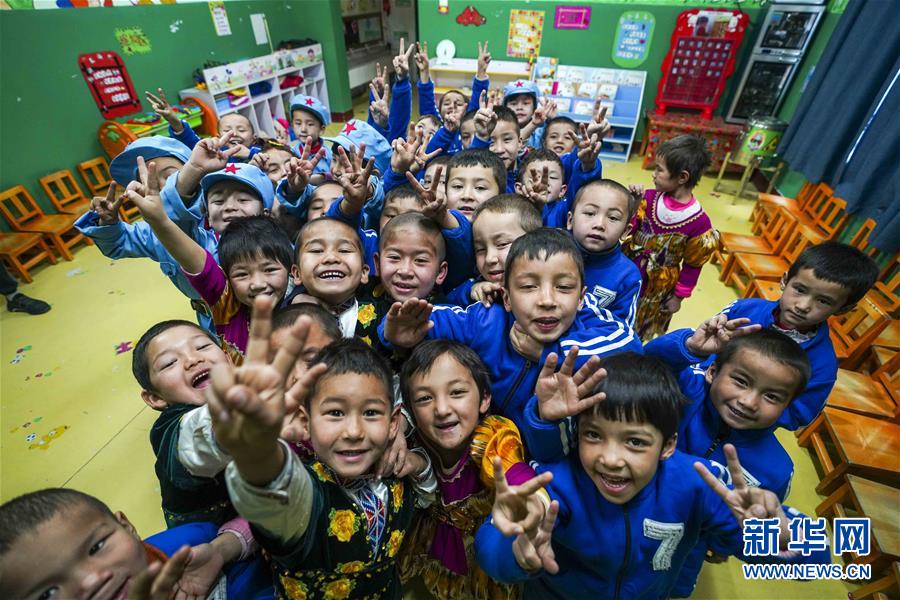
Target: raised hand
524,344
712,335
588,148
404,151
599,126
161,106
208,156
636,190
158,581
354,178
107,208
380,107
145,193
381,78
745,502
407,323
536,187
299,170
561,394
485,118
422,65
484,59
451,121
247,403
401,61
485,292
533,550
542,112
434,206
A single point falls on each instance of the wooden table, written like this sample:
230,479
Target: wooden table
721,137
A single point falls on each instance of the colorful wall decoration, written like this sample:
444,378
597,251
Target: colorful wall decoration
109,82
525,27
634,34
572,17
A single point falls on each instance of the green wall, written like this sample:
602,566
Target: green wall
48,120
590,47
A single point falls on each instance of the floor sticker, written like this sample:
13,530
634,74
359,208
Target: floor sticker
123,347
44,441
20,355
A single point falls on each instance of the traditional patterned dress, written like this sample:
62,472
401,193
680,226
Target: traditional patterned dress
439,547
670,242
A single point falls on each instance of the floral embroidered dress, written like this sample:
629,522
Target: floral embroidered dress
670,242
350,550
439,548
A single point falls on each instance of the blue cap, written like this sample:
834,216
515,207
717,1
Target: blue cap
357,132
123,167
521,86
312,105
249,175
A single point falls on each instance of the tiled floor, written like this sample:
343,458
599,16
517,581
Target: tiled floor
71,414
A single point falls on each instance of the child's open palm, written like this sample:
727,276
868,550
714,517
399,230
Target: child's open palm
712,335
354,178
561,394
107,208
208,156
407,323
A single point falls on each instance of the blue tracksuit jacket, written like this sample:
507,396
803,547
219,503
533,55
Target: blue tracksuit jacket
450,142
614,280
486,330
819,349
633,550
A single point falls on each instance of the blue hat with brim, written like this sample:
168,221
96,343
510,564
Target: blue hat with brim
357,132
312,105
519,87
123,167
249,175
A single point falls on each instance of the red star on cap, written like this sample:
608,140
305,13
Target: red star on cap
518,84
310,102
348,128
232,168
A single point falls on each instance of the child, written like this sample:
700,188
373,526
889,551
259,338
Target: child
273,160
391,122
629,488
601,213
411,260
496,224
167,154
322,199
544,309
242,134
474,176
309,117
521,98
171,363
446,388
738,399
672,236
431,169
531,169
255,254
329,528
560,135
96,553
505,143
826,279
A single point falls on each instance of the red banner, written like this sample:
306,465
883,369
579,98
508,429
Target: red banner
109,82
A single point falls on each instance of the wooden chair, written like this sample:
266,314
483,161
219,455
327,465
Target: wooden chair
853,332
762,288
862,498
766,204
23,214
64,193
24,251
886,291
95,174
884,588
824,212
771,241
846,443
741,268
874,395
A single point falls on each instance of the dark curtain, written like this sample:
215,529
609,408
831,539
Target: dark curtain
846,129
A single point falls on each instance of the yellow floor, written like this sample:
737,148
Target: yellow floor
71,414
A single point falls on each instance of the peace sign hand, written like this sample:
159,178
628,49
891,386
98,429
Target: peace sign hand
485,118
161,106
107,208
712,335
422,65
599,126
208,156
354,178
536,187
434,206
380,107
561,394
484,59
401,61
533,550
381,77
145,193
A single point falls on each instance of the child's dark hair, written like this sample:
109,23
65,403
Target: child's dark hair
352,355
841,264
507,115
423,357
140,368
434,120
685,153
614,186
541,244
245,117
439,160
639,389
298,241
539,155
401,191
417,221
468,116
529,217
479,157
22,515
273,144
287,316
774,346
250,237
557,121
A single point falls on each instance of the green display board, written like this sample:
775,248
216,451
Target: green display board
47,117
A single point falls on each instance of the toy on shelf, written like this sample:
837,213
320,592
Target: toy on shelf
700,59
114,135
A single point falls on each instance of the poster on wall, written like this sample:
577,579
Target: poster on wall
572,17
633,36
220,18
133,40
525,27
109,82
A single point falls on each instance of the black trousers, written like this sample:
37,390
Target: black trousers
8,283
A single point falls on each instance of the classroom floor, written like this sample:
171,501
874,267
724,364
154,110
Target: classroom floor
71,414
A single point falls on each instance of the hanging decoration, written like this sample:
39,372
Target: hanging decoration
632,40
109,82
471,16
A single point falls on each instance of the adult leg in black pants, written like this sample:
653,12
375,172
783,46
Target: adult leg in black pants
17,301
